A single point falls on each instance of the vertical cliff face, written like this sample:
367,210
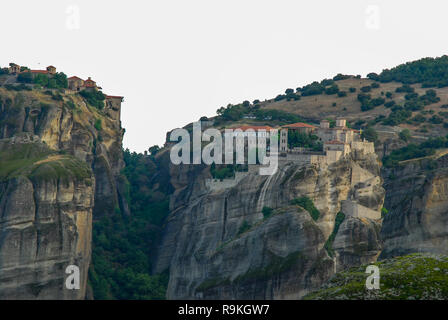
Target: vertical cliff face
417,200
219,242
59,167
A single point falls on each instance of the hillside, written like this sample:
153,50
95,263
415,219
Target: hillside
60,163
413,96
140,227
410,277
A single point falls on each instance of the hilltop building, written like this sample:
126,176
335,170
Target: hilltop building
251,133
77,84
113,106
14,68
338,142
49,70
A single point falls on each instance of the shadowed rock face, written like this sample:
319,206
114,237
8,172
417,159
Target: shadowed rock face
417,200
45,227
217,243
57,172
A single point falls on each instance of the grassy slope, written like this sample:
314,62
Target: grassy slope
321,106
411,277
38,162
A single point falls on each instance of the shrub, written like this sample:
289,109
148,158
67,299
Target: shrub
370,134
41,79
267,212
340,76
94,98
332,90
98,125
436,119
307,204
57,97
375,85
397,116
340,217
245,226
25,77
366,89
352,90
405,135
405,88
327,82
377,102
373,76
389,104
342,94
314,88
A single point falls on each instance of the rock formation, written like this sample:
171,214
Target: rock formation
417,200
220,243
58,170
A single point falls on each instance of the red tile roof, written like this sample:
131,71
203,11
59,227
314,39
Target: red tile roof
114,97
255,128
74,78
299,125
89,83
334,142
37,71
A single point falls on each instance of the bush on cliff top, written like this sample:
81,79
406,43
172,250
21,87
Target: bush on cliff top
95,98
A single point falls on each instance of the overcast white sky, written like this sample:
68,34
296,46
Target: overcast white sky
175,61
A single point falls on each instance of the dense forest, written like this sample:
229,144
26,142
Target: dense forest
123,245
430,72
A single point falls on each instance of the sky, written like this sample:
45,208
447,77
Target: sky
176,60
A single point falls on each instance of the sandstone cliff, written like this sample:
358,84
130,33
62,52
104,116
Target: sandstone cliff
218,243
60,161
417,201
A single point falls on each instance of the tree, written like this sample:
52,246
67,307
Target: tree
366,89
373,76
41,79
153,150
370,134
25,77
405,135
332,90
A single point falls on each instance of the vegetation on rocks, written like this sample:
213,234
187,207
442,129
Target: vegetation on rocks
307,204
122,245
412,151
329,244
410,277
